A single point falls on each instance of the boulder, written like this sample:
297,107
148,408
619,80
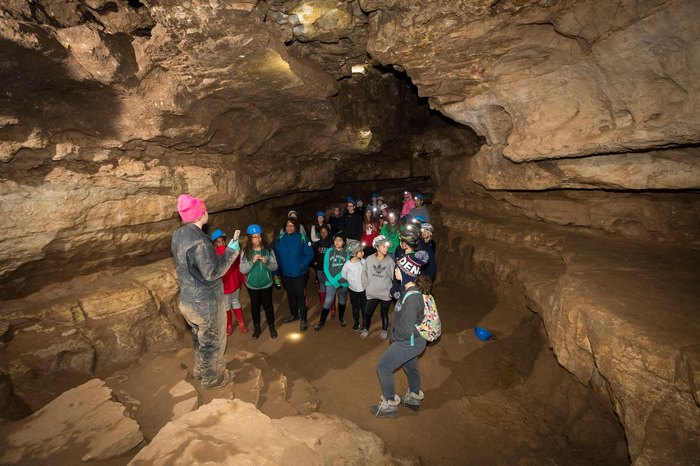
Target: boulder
81,424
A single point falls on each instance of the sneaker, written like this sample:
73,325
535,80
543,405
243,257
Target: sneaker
291,318
386,408
303,325
319,326
226,379
383,335
342,322
278,283
412,400
364,334
355,326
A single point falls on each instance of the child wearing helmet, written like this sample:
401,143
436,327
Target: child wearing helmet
258,261
232,280
333,262
411,235
390,231
408,204
352,272
377,279
426,232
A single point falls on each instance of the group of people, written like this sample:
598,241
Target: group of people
369,253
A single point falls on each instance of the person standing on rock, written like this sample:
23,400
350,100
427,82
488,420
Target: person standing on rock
377,280
199,271
406,343
233,280
258,261
294,255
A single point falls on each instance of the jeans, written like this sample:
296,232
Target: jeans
400,354
296,295
264,297
330,295
233,300
369,311
358,300
321,275
209,341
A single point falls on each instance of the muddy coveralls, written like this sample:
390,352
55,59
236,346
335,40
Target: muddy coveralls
199,272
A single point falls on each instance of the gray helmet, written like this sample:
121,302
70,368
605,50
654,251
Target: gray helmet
353,246
410,235
379,240
428,227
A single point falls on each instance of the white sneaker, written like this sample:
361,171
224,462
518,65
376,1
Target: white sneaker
364,334
383,335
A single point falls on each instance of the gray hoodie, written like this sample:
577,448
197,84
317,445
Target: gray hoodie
377,277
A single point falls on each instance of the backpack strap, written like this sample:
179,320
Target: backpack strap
409,294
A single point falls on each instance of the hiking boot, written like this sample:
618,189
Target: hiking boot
383,335
319,326
412,400
273,331
291,318
386,408
364,334
355,326
226,379
256,332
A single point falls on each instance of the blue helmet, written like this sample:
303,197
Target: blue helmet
320,213
349,199
420,219
419,196
253,229
374,195
216,234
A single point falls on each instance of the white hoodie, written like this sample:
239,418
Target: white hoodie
352,272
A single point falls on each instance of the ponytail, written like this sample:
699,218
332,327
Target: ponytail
424,284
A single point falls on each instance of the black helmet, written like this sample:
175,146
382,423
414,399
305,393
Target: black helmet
410,234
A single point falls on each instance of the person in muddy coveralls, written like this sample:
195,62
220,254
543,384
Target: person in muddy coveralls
202,304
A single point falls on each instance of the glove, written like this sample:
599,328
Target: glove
233,244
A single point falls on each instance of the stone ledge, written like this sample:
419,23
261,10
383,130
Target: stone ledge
618,316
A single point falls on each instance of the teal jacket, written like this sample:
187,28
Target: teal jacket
333,263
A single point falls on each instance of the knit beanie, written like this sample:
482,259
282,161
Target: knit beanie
190,208
410,264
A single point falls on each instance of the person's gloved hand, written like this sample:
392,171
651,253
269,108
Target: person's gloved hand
233,244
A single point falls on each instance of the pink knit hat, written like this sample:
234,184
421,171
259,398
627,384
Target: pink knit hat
190,208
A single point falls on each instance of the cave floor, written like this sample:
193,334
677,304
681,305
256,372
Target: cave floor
504,401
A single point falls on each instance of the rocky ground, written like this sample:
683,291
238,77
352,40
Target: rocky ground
498,402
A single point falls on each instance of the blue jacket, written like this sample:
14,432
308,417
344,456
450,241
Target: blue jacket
294,254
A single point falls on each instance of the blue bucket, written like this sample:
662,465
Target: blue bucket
482,333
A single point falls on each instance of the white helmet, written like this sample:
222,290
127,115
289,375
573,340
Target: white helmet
376,242
427,227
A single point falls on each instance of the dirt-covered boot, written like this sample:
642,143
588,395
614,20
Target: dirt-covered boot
386,408
412,400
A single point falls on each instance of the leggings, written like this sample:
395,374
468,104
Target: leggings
369,311
296,295
359,301
264,297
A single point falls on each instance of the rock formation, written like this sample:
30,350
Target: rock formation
561,140
234,432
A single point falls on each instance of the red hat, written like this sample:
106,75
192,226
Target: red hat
190,208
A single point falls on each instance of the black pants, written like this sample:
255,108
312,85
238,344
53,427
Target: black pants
296,295
358,301
369,311
264,297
